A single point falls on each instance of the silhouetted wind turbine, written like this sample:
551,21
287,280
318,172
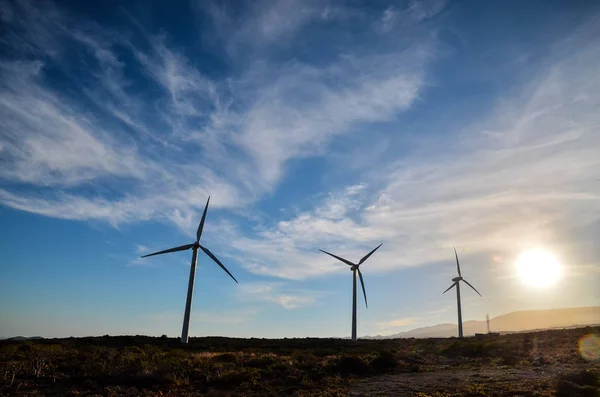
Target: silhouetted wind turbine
456,284
194,247
354,267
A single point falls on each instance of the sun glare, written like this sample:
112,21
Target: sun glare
538,267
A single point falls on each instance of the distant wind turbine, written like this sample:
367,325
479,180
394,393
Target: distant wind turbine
194,247
354,267
456,283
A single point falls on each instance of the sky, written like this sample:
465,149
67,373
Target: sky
335,125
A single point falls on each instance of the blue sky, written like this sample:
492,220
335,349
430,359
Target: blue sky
312,124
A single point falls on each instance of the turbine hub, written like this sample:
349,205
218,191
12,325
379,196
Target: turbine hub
455,279
353,268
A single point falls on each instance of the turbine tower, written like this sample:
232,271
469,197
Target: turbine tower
194,247
354,267
456,283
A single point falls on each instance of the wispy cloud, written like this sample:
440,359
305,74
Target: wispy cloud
413,12
256,26
143,120
520,177
62,146
146,133
141,249
397,323
279,294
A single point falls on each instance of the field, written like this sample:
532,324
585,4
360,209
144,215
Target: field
545,363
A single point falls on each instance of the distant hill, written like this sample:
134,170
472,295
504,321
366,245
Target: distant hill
18,338
511,322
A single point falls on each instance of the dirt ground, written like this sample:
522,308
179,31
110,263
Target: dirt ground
507,381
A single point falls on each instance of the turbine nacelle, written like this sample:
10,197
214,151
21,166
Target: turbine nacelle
455,279
354,267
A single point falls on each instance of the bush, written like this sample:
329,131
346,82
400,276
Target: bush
582,383
226,358
351,365
472,348
384,362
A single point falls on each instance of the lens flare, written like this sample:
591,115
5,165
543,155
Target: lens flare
589,347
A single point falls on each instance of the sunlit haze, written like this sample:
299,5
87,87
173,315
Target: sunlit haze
335,125
538,267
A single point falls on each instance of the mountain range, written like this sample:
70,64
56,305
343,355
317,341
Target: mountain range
512,322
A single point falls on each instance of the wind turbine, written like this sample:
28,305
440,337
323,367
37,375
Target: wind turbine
354,267
194,247
456,283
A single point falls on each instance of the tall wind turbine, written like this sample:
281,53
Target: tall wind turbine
456,283
194,247
354,267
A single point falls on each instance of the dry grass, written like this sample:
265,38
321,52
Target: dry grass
541,364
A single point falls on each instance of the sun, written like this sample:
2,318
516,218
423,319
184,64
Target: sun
538,267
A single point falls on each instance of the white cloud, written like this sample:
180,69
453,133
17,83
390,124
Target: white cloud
416,12
524,176
397,323
506,181
290,248
230,138
279,127
263,24
191,94
51,142
388,18
421,10
141,249
355,189
278,293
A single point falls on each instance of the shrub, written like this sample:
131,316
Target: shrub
226,358
261,361
351,365
472,348
385,361
581,383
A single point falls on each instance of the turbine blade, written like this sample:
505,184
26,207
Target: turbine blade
362,283
449,288
214,258
347,262
369,254
180,248
457,265
201,226
471,286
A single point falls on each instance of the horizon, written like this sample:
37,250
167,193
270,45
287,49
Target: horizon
422,125
524,329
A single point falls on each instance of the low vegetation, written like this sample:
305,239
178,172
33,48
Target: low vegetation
137,365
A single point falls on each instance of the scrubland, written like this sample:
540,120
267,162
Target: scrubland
545,363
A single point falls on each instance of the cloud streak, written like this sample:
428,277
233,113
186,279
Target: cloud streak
522,176
279,294
145,120
146,133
